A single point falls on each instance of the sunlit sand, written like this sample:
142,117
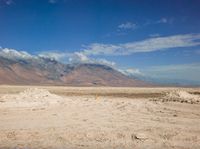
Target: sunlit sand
104,118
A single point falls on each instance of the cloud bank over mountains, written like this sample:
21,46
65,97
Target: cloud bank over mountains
93,52
99,49
14,54
76,57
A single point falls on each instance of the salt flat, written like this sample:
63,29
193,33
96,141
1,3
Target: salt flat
33,117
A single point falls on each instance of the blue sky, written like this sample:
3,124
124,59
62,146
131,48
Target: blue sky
142,37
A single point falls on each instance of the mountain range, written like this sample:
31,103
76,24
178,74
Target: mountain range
20,68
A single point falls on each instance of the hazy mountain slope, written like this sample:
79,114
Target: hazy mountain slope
43,71
98,75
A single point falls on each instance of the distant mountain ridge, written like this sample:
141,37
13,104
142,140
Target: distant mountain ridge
27,70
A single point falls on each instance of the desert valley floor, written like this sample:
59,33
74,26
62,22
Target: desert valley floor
33,117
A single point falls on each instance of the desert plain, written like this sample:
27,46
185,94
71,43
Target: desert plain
56,117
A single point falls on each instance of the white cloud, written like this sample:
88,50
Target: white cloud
76,57
148,45
162,20
127,25
131,72
54,55
106,62
14,54
79,57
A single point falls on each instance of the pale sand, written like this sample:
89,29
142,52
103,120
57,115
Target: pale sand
103,118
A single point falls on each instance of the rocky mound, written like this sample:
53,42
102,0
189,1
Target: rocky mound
180,96
31,97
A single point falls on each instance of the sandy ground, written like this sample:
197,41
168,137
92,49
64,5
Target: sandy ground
102,118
